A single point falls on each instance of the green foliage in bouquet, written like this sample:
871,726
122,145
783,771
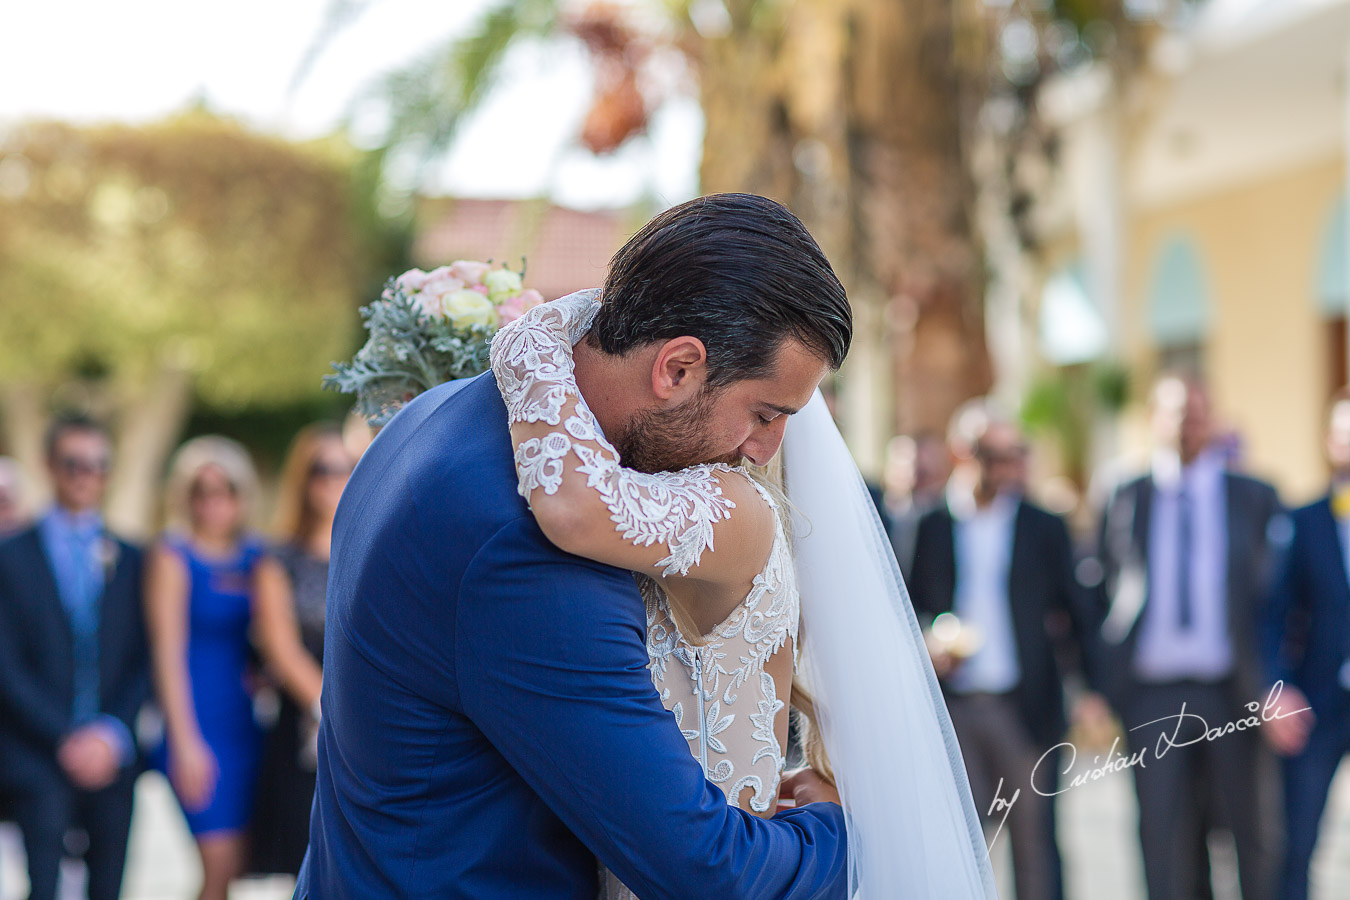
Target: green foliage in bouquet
428,328
406,354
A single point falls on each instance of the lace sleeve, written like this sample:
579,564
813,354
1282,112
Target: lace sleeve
672,512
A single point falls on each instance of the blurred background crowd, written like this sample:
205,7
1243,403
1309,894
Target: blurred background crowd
1099,257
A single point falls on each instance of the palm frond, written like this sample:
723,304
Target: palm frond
426,101
339,15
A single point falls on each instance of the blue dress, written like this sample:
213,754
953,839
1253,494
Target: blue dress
219,614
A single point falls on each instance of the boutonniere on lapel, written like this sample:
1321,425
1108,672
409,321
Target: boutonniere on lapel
108,553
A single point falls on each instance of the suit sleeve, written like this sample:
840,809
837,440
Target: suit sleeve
133,686
1108,562
33,707
1076,600
922,568
1287,594
1279,532
552,667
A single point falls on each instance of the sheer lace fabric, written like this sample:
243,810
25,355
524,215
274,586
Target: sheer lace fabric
723,700
532,359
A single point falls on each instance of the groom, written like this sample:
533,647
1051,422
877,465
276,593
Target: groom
489,725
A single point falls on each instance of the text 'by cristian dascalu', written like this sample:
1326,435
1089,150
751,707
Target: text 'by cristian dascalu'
1168,740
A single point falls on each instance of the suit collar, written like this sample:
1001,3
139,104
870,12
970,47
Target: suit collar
961,505
82,524
1331,531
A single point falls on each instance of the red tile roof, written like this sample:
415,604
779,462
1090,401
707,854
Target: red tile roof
565,250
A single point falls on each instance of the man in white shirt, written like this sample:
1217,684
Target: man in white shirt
1004,567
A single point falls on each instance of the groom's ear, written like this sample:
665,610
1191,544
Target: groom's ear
680,369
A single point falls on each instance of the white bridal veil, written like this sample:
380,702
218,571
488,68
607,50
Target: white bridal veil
913,831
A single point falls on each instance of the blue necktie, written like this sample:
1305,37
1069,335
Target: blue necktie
84,619
1184,610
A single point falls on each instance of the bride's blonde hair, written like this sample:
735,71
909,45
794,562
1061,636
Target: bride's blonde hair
803,705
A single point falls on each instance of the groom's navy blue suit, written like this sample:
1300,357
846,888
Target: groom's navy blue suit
489,724
1306,644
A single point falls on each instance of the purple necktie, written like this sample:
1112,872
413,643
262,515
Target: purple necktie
1184,610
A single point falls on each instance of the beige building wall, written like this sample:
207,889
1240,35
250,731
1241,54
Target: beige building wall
1266,355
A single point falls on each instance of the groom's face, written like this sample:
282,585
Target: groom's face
738,422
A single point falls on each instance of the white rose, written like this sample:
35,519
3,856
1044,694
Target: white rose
502,283
467,308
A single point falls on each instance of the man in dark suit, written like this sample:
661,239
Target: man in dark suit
1004,567
1185,554
73,670
1307,649
489,723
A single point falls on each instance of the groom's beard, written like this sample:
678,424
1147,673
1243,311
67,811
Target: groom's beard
664,440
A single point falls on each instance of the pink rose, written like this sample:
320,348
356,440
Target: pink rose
511,309
442,281
529,299
480,288
469,271
411,281
428,304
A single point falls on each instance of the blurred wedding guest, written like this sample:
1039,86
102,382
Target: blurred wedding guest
200,590
916,472
312,480
73,669
1306,647
12,518
1186,560
356,434
1004,567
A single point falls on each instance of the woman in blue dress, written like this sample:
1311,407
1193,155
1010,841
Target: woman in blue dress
201,582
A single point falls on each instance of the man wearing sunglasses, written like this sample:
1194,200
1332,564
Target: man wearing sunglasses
73,670
1005,568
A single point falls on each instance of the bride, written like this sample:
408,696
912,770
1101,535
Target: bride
755,585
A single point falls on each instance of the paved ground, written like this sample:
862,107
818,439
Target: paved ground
1097,828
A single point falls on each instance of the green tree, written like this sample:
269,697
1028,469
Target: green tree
144,267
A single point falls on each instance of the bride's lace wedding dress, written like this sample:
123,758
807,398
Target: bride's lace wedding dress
723,699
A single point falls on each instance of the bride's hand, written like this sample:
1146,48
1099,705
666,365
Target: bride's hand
807,786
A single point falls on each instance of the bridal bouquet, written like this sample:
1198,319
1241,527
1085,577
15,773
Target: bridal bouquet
427,328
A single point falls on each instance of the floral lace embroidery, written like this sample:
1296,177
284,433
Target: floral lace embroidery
533,365
539,463
532,359
730,745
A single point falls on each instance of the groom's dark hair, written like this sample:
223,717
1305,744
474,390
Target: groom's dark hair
737,271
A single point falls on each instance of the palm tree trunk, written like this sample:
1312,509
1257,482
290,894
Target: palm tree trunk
845,111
